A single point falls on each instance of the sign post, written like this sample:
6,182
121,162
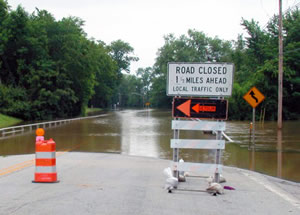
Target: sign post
254,97
176,153
253,127
218,157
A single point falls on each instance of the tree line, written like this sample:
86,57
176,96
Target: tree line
50,69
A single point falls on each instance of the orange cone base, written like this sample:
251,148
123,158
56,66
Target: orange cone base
45,178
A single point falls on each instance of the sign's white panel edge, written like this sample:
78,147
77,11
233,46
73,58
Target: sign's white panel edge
198,125
203,168
197,144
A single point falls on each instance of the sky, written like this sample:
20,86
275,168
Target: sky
144,23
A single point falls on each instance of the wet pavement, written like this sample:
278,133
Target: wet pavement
108,183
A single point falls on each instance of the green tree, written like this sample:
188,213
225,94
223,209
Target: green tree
145,74
106,77
291,23
261,67
122,52
48,67
131,91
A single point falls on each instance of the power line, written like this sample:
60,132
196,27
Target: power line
295,5
262,6
293,50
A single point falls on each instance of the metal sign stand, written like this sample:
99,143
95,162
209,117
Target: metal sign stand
176,152
218,153
199,80
218,144
218,157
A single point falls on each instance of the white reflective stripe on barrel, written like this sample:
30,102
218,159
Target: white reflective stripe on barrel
197,144
198,125
39,155
45,169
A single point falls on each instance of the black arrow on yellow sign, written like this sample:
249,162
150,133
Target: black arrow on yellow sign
252,94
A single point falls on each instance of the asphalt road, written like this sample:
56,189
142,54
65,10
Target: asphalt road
98,183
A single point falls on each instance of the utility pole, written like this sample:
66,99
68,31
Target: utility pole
280,68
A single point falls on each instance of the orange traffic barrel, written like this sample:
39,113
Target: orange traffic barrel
45,161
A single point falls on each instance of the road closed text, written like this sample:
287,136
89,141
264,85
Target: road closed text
193,79
201,70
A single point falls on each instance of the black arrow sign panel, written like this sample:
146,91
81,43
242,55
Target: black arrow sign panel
201,108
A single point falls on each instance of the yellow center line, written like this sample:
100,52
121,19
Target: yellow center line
29,163
16,167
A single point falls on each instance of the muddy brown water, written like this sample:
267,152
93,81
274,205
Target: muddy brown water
148,133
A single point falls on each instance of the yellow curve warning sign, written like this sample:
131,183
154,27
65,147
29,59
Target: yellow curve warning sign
254,97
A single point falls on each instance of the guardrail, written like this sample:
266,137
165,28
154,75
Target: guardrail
20,129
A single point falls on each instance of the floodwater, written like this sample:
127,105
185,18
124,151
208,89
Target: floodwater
148,133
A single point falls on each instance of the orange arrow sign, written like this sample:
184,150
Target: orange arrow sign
185,108
196,108
200,108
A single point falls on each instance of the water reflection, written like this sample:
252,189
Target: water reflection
279,153
252,152
276,152
252,158
139,135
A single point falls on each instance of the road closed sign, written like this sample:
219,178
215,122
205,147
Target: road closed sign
200,79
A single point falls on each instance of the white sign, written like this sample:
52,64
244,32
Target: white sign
200,79
198,125
202,168
197,144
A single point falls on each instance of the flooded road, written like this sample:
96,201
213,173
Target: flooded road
148,133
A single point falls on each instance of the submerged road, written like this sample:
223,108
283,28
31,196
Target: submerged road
107,183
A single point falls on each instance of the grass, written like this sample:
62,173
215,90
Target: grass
91,110
6,121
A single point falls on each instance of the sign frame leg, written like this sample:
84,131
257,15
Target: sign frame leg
176,152
218,157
